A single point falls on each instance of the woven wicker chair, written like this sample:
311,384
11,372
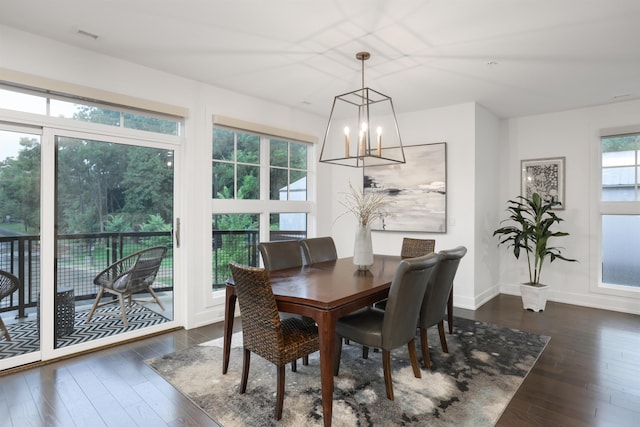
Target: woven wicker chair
264,333
8,285
396,325
318,249
412,248
279,255
131,274
436,298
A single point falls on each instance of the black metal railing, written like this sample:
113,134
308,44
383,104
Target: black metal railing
79,258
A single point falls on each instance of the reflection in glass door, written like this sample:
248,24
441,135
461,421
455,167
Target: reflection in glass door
19,244
114,202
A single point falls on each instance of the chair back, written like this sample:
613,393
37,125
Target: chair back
435,299
280,254
412,248
261,326
318,249
8,283
407,291
144,272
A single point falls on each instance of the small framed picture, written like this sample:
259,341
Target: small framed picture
545,177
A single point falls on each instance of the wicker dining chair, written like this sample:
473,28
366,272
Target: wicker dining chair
434,306
412,248
279,341
8,285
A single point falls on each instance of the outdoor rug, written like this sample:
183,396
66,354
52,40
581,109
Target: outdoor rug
25,337
470,386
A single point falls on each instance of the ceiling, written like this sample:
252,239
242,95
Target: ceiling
515,57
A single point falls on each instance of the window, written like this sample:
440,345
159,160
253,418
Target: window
620,210
62,106
260,193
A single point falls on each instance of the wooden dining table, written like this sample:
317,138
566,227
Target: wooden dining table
325,292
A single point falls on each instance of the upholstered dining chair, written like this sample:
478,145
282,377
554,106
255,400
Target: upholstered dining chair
436,297
280,254
8,285
396,325
318,249
412,248
126,277
279,341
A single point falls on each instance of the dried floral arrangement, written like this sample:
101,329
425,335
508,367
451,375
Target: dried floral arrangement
366,206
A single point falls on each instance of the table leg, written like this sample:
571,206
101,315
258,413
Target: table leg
327,330
229,312
450,311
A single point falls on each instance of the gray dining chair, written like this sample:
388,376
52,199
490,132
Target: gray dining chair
396,325
434,305
280,254
318,249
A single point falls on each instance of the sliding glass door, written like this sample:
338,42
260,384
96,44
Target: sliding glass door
112,201
19,243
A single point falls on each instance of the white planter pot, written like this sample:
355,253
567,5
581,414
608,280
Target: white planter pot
534,297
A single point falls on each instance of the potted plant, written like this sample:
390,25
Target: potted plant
530,232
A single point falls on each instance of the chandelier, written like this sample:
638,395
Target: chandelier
362,129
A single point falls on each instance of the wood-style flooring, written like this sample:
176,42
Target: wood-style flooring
589,375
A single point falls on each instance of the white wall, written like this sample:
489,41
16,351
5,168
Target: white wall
574,135
455,125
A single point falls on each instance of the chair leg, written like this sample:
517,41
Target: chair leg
155,297
122,308
411,346
424,343
337,352
280,392
386,368
365,352
443,338
4,328
294,366
246,360
95,304
305,360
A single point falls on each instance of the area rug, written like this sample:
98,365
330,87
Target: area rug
469,386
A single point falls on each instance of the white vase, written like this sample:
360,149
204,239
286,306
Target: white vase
363,249
534,297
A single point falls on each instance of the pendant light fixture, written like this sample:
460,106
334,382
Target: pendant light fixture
362,129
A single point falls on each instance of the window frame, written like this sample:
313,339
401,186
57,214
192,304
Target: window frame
601,208
264,207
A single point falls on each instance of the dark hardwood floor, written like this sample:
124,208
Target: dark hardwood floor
589,375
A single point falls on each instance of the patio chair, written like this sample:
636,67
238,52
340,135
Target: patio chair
131,274
8,285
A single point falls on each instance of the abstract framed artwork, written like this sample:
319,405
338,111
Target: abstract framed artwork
417,190
545,177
